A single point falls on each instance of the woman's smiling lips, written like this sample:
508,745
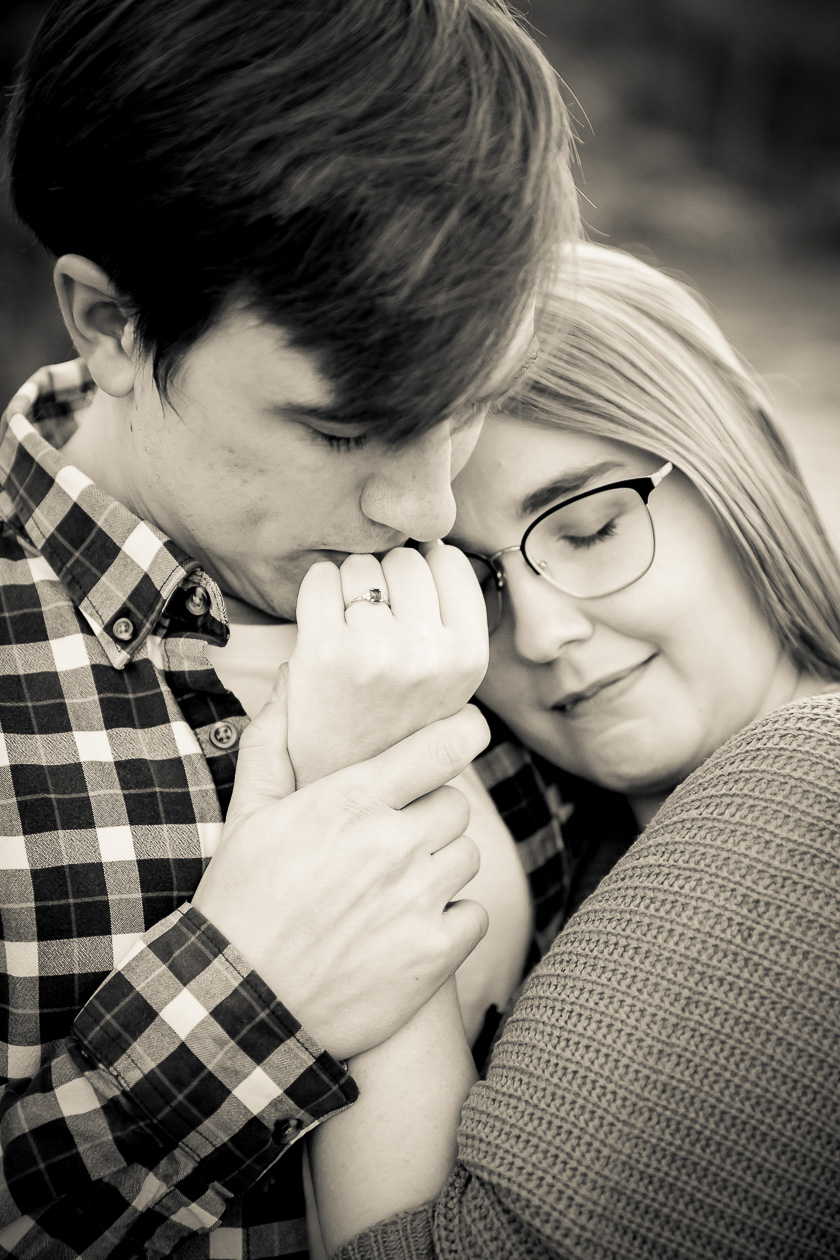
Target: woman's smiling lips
607,689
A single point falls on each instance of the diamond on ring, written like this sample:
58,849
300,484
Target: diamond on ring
373,596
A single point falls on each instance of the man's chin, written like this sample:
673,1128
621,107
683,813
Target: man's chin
277,602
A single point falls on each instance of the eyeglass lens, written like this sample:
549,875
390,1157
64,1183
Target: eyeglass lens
592,547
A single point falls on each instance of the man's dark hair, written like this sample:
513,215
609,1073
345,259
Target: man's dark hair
383,179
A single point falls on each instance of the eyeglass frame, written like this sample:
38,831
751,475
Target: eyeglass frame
644,487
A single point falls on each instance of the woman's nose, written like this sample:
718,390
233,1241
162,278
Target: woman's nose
410,489
544,619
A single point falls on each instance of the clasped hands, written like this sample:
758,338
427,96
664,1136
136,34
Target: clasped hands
341,894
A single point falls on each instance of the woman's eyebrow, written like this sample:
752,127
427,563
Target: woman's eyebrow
568,483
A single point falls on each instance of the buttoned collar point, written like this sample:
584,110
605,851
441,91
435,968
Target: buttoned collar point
126,577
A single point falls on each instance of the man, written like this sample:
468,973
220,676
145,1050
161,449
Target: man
298,247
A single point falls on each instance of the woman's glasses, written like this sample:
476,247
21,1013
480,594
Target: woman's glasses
593,544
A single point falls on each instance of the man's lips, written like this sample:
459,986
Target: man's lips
338,557
569,702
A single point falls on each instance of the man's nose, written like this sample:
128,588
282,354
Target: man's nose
410,489
544,619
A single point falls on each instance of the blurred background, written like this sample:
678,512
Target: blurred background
709,142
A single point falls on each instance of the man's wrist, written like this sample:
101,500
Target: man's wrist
202,1047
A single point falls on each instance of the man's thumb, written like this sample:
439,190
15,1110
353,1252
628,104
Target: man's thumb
264,772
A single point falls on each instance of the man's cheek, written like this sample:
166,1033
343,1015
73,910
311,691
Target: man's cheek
464,443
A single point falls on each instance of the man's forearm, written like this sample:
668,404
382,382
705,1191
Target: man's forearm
172,1095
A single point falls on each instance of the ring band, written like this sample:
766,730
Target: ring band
373,596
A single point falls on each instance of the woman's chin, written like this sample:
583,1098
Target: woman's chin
632,771
636,755
640,785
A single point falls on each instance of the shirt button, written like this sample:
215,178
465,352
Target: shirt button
87,1055
123,629
198,601
286,1130
223,735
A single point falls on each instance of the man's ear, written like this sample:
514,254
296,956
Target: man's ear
97,321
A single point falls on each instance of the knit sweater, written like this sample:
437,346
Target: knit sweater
668,1086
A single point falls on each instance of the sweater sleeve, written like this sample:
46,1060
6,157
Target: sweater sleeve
669,1082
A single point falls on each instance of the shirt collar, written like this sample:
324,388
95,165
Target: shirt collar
120,571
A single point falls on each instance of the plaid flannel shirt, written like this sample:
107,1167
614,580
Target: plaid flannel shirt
152,1081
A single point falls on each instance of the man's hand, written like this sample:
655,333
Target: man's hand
362,679
339,894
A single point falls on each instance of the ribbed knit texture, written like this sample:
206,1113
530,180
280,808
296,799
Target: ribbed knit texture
668,1086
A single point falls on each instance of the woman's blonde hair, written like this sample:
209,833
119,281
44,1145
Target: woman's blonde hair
628,354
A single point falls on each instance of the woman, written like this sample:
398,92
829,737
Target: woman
664,614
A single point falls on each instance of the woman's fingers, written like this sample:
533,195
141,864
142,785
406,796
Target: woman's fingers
438,589
320,601
365,675
460,599
360,575
414,596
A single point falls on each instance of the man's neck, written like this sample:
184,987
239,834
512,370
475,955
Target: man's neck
102,448
242,614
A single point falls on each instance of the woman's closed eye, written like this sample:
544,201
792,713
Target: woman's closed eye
582,542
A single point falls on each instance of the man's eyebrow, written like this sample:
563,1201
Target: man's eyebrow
324,414
496,395
313,413
530,358
569,483
319,413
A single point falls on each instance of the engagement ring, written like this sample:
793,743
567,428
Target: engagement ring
373,596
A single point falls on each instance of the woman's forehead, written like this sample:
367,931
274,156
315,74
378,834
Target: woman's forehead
516,460
521,467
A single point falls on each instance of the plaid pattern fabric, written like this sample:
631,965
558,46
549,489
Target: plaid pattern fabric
569,834
152,1081
151,1078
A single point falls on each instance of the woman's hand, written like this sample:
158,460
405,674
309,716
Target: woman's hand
364,676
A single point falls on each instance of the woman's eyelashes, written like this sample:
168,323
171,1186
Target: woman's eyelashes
582,542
